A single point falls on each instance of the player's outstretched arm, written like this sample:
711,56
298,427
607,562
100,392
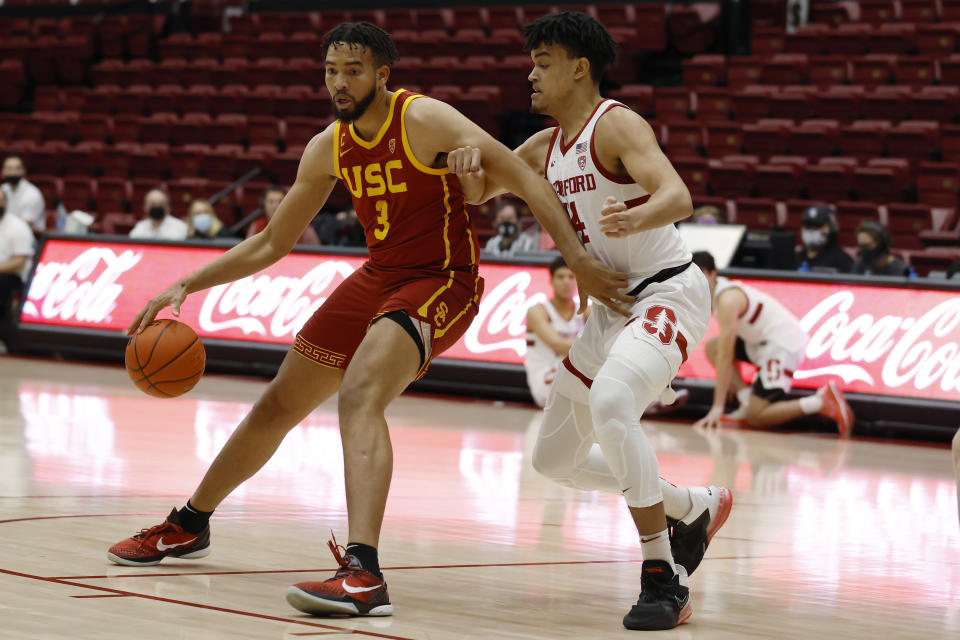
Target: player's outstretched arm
539,322
308,194
624,140
466,163
439,129
730,306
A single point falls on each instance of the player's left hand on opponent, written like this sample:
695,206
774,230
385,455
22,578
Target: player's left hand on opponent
711,420
465,163
604,284
616,220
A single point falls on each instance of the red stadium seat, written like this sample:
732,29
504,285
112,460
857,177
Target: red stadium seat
695,173
873,70
751,102
941,104
119,224
938,184
731,179
757,213
915,70
809,39
112,194
848,39
779,181
713,103
829,182
913,139
672,102
78,193
906,221
704,70
886,103
684,137
892,38
878,11
723,138
827,70
84,159
814,138
744,70
765,41
878,184
638,97
864,138
786,68
794,102
919,10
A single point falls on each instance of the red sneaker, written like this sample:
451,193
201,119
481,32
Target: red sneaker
152,545
352,591
836,408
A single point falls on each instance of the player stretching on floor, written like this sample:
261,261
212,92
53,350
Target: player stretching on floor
379,330
622,196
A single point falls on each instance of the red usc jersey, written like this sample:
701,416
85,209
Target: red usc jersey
414,216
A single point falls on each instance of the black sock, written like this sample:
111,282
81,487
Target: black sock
367,556
192,519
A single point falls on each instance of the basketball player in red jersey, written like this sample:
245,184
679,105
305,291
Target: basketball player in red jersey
379,330
623,196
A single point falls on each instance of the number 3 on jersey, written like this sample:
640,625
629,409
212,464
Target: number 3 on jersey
578,225
381,231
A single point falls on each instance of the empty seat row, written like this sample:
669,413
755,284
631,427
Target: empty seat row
857,38
800,68
845,103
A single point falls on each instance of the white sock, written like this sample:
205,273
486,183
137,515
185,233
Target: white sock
743,396
676,500
656,546
811,404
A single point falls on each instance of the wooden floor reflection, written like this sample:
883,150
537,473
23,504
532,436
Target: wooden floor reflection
827,539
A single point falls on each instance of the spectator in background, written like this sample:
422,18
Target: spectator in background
874,242
202,221
159,224
16,250
342,229
708,214
953,269
24,199
819,236
270,202
509,240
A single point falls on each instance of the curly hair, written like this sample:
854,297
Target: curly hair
581,35
365,35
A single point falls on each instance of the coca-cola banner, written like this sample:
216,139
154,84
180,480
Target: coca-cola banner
869,339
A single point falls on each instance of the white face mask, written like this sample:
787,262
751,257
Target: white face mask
814,238
202,222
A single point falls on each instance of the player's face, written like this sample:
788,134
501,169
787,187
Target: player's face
564,283
271,202
552,77
352,79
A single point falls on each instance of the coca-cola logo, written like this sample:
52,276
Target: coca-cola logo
501,321
276,305
84,289
904,343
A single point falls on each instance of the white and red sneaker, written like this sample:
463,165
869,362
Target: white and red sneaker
836,408
352,591
152,545
690,536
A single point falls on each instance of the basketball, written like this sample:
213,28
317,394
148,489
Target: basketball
166,360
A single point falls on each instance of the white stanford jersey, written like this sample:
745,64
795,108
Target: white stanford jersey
539,354
582,184
765,320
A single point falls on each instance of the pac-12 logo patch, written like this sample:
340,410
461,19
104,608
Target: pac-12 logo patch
582,162
392,145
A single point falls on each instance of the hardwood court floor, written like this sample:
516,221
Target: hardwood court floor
827,539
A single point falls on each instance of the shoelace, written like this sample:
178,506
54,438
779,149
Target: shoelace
145,534
345,568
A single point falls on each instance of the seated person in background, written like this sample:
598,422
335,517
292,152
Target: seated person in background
24,199
755,328
159,224
874,241
341,229
551,329
16,250
819,236
269,202
203,223
509,240
953,269
708,214
956,466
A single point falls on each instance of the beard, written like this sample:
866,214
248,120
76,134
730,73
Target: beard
359,107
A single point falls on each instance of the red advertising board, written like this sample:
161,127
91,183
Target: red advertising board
870,339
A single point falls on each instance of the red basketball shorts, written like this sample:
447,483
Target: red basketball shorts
447,301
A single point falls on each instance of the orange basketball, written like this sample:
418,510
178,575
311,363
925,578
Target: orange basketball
166,360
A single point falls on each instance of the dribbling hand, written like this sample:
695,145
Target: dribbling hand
173,296
604,284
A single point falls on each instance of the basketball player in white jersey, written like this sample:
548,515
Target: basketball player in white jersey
756,328
551,330
956,466
623,196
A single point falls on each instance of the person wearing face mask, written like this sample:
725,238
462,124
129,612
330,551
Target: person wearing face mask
16,250
202,221
508,240
820,248
708,214
874,257
159,224
24,199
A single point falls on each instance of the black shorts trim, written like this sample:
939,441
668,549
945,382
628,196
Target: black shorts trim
740,351
402,318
